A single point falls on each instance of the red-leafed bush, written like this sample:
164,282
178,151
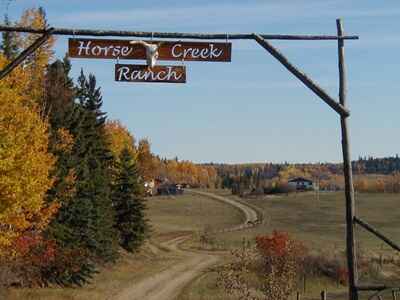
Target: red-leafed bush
40,262
271,267
35,249
32,254
282,259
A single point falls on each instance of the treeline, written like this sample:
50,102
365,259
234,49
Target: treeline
152,166
371,175
260,176
371,165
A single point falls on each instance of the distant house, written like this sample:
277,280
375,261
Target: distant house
301,184
170,189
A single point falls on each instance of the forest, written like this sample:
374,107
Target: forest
71,180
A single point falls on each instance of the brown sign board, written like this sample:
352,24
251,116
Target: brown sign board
169,50
142,73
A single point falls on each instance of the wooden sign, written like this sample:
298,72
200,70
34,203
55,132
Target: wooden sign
142,73
169,50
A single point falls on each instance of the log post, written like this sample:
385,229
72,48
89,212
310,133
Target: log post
323,295
348,177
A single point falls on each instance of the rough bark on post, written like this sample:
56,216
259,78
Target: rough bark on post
348,177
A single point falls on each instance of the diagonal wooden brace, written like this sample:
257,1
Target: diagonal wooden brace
24,54
374,231
340,109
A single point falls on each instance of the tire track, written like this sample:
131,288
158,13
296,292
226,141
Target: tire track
168,284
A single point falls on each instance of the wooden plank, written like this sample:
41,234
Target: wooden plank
169,50
175,35
141,73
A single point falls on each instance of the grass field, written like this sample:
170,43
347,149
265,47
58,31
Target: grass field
169,217
189,213
320,224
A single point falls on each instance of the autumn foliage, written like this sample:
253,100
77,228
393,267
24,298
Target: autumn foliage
119,138
271,267
282,259
25,164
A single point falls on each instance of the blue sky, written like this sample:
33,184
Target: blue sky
252,109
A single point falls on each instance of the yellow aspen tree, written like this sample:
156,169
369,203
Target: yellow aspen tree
35,65
145,160
119,138
25,165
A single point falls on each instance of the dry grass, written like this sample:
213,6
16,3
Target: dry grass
320,224
110,280
190,213
170,217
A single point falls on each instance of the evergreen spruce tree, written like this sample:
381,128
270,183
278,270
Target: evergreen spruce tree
9,45
94,173
75,264
84,226
129,204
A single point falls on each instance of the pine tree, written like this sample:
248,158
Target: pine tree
129,204
9,45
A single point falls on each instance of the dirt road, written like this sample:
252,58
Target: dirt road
250,214
167,284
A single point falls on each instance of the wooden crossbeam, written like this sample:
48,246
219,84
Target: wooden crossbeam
340,109
175,35
24,54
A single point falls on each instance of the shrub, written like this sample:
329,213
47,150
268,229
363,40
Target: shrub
275,260
32,254
207,237
233,277
282,259
331,267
